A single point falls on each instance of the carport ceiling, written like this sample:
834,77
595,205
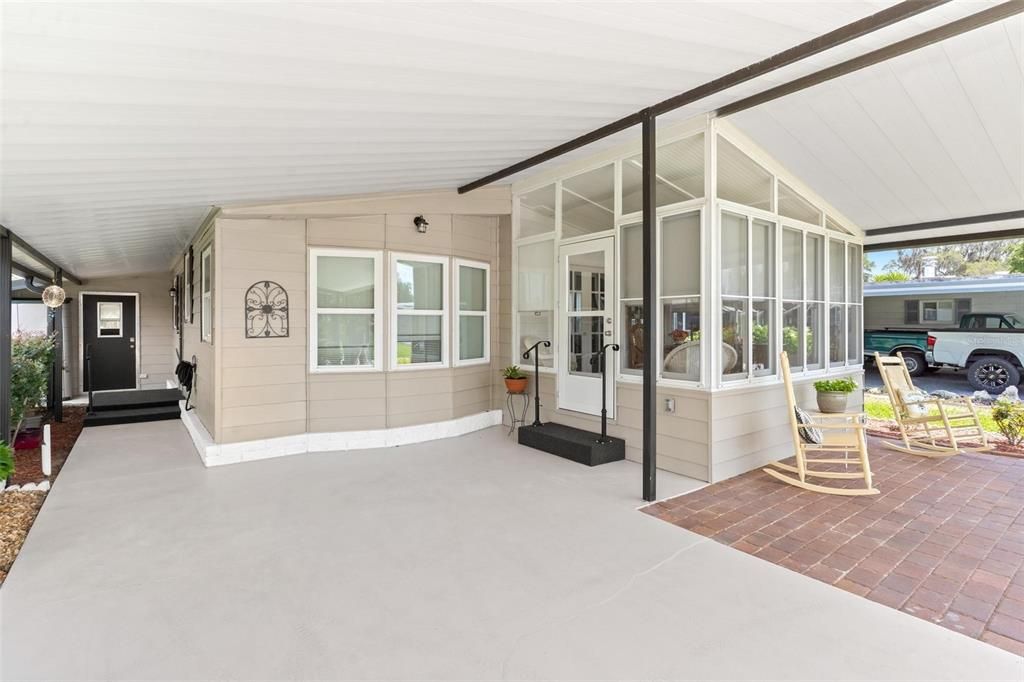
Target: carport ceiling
123,123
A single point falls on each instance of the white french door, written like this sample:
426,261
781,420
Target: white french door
586,323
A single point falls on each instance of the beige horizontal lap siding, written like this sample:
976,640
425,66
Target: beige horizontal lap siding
751,425
262,380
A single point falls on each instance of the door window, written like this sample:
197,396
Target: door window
109,316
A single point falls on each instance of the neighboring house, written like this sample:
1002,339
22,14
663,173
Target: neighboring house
397,330
939,303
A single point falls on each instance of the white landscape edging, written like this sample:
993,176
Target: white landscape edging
214,454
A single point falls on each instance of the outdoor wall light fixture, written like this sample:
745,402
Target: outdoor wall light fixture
421,224
173,293
53,296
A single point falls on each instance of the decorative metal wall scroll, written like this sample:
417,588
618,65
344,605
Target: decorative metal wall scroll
266,311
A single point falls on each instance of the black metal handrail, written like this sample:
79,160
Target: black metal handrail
604,390
88,374
536,378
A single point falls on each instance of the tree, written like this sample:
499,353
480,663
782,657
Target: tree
983,268
891,276
955,260
1016,258
869,266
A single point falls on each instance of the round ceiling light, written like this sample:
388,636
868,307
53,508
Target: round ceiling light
53,296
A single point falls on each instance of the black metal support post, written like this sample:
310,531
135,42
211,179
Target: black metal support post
604,390
650,258
5,337
88,375
536,377
56,329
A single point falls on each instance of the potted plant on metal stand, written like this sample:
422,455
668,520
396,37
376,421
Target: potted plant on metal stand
515,380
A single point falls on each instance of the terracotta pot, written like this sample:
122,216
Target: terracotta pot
516,385
832,401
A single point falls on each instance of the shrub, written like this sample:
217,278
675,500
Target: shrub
31,359
1009,418
6,461
835,386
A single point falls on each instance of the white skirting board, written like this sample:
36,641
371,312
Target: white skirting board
214,454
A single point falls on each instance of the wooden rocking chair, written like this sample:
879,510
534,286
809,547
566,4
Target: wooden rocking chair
845,435
929,426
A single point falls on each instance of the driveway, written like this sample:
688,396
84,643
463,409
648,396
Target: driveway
469,558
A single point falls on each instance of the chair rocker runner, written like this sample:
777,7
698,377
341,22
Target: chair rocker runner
929,426
822,434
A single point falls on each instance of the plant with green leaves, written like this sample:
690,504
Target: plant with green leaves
31,360
835,386
6,461
1009,418
513,372
891,276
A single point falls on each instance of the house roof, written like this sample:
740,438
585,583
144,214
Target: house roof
125,122
945,286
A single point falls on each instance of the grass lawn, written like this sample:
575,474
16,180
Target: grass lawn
878,407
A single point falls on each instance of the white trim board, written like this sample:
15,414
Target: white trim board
214,454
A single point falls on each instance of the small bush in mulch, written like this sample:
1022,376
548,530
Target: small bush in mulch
18,509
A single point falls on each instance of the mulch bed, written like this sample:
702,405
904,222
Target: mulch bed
18,509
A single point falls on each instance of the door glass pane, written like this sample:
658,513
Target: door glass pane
344,282
472,288
763,336
791,328
815,334
734,334
420,285
345,339
679,176
815,267
792,265
533,327
537,212
681,347
632,342
586,336
588,202
740,179
734,254
109,316
792,205
419,339
762,251
631,265
836,270
836,334
471,337
680,255
586,282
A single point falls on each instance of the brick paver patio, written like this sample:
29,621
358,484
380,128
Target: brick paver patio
943,542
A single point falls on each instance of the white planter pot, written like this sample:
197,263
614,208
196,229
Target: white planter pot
832,401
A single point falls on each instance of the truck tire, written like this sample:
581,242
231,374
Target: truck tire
916,363
993,374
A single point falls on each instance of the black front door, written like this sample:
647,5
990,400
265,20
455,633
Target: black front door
108,342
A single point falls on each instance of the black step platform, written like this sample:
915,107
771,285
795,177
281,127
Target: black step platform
571,443
129,407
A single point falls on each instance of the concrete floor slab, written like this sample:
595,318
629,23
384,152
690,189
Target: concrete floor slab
468,558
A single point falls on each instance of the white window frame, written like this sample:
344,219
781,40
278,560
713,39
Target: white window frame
938,303
457,265
206,296
378,310
120,320
445,262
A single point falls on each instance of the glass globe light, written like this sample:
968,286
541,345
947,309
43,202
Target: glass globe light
53,296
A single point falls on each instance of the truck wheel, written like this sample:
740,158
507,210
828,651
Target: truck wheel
992,374
915,363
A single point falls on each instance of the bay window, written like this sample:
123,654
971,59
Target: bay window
346,310
837,300
814,309
535,299
419,322
748,297
680,296
472,328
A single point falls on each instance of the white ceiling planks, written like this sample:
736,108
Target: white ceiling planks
124,122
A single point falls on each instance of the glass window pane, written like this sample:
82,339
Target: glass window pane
836,334
679,176
345,339
791,333
792,265
419,339
420,285
536,284
344,282
472,288
207,271
853,334
586,336
740,179
815,267
734,254
533,327
836,270
680,255
763,336
792,205
734,337
631,264
632,342
762,251
471,337
681,347
815,334
110,311
834,226
588,202
854,272
537,212
586,281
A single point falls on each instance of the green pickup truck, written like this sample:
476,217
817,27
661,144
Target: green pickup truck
916,345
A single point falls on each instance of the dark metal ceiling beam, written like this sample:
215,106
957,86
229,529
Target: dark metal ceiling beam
935,35
826,41
948,239
948,222
31,250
